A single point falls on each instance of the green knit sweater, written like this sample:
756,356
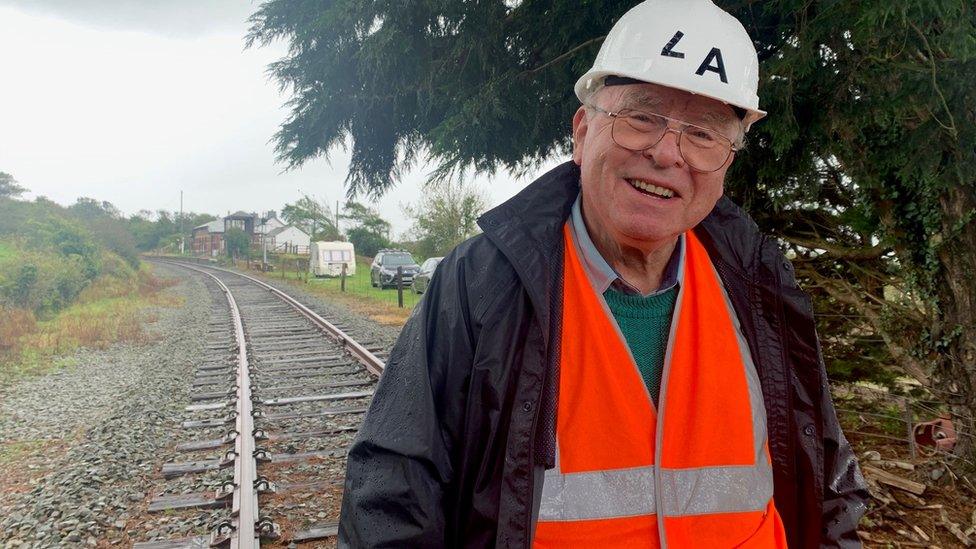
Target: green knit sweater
645,323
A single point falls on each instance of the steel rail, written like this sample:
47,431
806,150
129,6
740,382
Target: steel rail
244,532
372,363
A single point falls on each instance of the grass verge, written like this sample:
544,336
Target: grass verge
108,311
360,296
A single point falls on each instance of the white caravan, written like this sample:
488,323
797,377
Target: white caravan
327,258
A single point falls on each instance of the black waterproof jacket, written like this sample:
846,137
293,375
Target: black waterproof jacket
466,407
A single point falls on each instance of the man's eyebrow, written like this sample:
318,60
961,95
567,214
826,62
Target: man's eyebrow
643,99
640,98
716,117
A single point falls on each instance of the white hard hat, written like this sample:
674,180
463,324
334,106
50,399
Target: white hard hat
691,45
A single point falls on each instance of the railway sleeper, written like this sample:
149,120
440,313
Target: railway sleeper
212,367
213,380
179,468
302,335
329,358
321,413
209,423
214,373
303,366
326,385
290,333
211,396
212,406
316,398
322,530
291,352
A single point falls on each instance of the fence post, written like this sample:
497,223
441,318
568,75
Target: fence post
909,420
400,286
342,279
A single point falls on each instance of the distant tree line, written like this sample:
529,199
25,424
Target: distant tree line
443,217
49,254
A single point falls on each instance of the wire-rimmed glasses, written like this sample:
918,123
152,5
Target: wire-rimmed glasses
705,150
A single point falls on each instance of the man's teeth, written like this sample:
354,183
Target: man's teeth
653,189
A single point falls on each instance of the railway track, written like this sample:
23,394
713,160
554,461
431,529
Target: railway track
272,413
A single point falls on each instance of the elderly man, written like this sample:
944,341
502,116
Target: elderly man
621,359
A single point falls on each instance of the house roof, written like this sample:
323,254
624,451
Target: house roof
240,214
215,226
279,230
269,225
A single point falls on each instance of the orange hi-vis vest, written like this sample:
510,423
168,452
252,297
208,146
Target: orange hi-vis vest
693,473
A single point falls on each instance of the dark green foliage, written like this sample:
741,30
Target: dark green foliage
869,157
57,257
369,231
446,216
468,82
153,230
237,243
9,187
23,283
313,217
864,168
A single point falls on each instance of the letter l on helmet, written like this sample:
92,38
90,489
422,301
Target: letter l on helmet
690,45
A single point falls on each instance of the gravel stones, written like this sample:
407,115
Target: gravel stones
92,436
92,432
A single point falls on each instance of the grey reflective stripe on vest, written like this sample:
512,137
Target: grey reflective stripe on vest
713,490
637,491
618,493
597,494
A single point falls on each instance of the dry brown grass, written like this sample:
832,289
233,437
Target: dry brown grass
14,324
110,310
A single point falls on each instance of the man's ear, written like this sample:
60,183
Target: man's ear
580,125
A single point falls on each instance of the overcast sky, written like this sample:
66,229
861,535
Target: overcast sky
131,101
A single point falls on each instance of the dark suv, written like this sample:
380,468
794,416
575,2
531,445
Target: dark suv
383,272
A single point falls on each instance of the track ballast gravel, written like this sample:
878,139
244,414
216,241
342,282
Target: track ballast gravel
95,433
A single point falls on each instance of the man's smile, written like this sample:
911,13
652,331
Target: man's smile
651,189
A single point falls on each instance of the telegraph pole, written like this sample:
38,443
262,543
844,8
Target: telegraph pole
181,223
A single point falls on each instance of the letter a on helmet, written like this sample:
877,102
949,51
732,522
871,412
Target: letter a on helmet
691,45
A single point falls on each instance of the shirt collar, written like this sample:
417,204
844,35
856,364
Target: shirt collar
600,273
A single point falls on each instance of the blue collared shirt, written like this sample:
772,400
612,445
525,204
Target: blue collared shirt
600,273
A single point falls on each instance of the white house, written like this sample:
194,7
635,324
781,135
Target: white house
288,239
269,223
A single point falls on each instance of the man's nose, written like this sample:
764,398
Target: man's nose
667,151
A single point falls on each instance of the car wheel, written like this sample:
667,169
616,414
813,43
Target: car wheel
372,280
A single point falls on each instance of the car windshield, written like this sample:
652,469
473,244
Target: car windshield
394,260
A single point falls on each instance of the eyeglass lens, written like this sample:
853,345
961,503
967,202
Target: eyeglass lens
703,149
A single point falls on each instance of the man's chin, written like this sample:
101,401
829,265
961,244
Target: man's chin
646,238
